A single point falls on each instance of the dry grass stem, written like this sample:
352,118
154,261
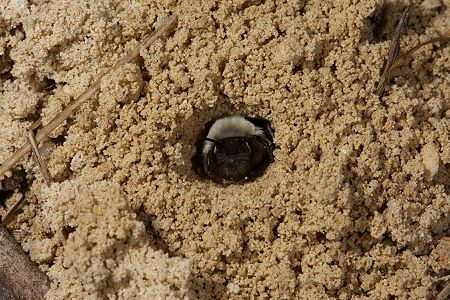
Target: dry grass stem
392,61
394,49
70,109
10,216
20,278
37,154
445,293
401,60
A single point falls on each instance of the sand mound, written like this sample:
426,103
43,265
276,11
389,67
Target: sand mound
91,236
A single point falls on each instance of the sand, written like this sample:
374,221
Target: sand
356,204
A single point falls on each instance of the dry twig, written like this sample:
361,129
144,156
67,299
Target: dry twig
392,61
402,58
20,278
70,109
37,154
13,212
394,49
445,293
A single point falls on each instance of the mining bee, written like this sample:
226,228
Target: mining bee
235,148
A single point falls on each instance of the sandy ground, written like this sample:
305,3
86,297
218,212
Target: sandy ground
355,205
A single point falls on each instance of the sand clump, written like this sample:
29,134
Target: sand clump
355,205
90,235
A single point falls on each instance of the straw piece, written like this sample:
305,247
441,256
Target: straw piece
403,57
445,293
12,213
37,154
394,49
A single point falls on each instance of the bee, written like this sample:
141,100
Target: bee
235,148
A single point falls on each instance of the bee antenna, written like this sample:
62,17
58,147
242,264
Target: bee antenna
210,140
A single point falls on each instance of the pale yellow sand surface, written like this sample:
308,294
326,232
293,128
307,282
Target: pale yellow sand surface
355,205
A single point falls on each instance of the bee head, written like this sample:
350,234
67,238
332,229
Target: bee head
232,156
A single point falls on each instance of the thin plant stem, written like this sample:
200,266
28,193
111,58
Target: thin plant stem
37,154
394,49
